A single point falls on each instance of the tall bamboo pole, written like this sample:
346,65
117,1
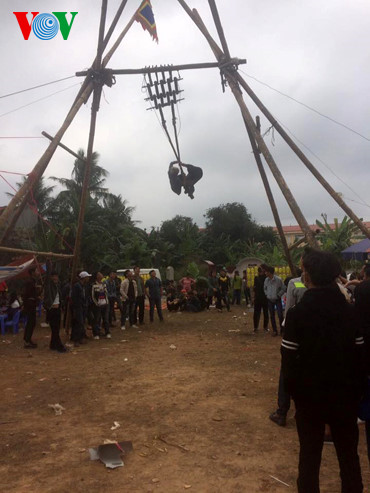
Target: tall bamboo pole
110,53
152,70
220,30
90,146
18,202
271,200
249,121
87,172
302,156
21,251
107,37
255,149
74,154
41,165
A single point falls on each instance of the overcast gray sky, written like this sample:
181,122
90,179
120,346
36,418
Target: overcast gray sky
314,51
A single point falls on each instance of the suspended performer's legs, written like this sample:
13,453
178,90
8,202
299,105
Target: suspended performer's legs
194,175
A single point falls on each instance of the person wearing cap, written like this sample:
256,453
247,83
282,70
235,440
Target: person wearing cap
78,308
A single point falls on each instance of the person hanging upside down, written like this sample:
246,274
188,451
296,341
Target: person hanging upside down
180,179
176,178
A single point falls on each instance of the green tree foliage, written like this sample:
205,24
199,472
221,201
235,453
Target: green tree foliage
40,202
229,231
183,234
41,195
338,238
111,239
234,221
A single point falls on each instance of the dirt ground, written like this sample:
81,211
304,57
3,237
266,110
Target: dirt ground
197,414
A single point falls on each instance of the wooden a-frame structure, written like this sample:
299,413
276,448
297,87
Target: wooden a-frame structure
99,75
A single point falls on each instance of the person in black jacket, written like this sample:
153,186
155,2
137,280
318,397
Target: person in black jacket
362,304
260,301
179,179
78,307
31,297
52,305
224,285
323,370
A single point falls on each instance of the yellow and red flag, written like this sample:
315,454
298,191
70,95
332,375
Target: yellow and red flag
145,16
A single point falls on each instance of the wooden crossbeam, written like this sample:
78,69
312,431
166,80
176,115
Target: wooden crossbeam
48,136
165,68
21,251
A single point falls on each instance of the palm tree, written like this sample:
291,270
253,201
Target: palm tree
117,210
97,176
68,200
32,225
40,195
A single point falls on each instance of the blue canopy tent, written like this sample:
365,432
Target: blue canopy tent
359,251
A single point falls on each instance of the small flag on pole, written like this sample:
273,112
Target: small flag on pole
145,16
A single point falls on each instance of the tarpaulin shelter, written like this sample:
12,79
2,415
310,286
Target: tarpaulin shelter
359,251
9,271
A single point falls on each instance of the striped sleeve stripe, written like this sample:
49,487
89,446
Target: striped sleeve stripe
293,346
290,343
289,347
359,341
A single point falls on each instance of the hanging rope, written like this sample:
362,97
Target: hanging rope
175,131
36,87
164,92
14,173
176,149
34,209
33,206
6,181
272,130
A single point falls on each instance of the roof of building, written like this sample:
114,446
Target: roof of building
291,229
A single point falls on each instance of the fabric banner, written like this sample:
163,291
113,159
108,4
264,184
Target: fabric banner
145,16
9,271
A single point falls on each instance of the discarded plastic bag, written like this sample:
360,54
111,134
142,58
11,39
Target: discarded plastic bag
110,453
58,409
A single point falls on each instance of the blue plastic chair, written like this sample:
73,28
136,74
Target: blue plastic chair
13,323
23,319
3,317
